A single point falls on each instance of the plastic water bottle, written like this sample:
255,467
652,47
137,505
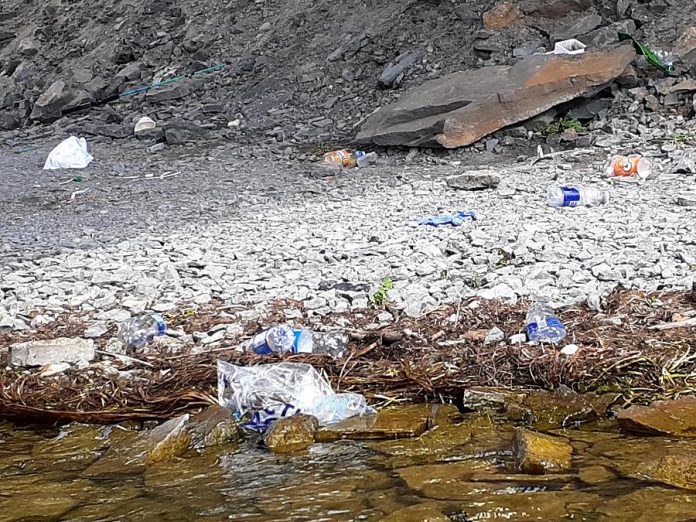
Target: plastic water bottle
576,196
140,331
284,339
346,159
543,325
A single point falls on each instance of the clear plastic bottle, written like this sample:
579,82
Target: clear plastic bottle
576,196
543,325
284,339
137,332
334,344
624,166
346,159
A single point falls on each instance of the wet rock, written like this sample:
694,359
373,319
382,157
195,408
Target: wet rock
474,180
643,504
675,470
596,475
461,108
291,434
426,511
537,453
391,423
481,399
165,442
475,434
212,427
43,353
501,16
676,418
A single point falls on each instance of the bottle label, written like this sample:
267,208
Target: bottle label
532,329
571,196
296,342
161,325
553,322
259,344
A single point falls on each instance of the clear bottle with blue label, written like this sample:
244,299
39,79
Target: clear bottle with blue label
283,339
576,196
137,332
543,325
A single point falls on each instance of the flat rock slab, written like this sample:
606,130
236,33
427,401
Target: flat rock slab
391,423
676,418
42,353
461,108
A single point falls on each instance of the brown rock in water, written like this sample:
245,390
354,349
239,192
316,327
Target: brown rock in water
676,418
391,423
501,16
291,434
213,426
675,470
537,453
168,440
461,108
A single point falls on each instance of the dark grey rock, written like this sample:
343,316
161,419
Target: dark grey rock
474,180
577,27
170,92
393,73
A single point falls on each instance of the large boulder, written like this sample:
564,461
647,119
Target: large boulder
461,108
57,100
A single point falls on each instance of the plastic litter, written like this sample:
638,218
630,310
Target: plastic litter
145,123
71,153
624,166
576,196
140,331
571,46
661,60
543,325
455,219
283,339
347,159
271,391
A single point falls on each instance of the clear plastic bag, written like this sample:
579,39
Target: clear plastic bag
282,389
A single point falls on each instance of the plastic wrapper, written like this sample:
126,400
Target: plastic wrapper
271,391
71,153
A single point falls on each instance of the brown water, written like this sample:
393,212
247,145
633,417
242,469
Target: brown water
459,473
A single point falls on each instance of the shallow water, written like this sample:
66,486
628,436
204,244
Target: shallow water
462,472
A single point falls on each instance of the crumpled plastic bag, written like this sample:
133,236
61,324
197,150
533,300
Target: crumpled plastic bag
69,154
268,392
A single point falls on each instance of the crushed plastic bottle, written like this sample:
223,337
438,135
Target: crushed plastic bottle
284,339
137,332
346,159
634,165
576,196
543,325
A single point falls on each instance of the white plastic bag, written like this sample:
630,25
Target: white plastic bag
271,391
69,154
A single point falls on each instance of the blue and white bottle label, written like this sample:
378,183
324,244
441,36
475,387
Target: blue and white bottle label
259,344
571,196
161,325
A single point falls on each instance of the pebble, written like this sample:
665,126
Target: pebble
494,335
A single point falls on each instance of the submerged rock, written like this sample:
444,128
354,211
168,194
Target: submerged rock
291,434
538,453
166,441
676,418
391,423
